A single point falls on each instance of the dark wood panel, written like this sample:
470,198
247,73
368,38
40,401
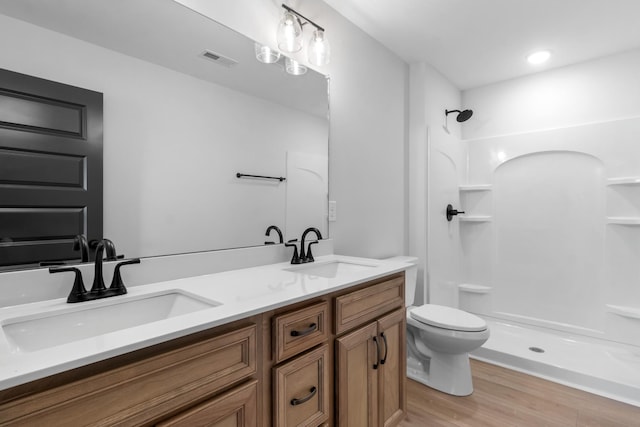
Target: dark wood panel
50,159
34,113
32,168
41,223
26,252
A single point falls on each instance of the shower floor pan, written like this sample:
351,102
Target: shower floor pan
600,367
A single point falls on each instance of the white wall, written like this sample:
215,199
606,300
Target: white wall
431,95
172,146
555,253
600,90
368,96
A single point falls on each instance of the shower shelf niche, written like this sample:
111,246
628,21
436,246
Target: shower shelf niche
475,187
474,289
475,218
622,220
625,180
624,311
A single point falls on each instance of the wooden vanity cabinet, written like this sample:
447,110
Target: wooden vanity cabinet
307,364
147,386
371,360
301,365
301,390
235,408
299,330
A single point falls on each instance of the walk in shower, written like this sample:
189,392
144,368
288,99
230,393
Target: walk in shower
549,251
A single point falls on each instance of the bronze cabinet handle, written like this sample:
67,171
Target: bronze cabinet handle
312,392
312,327
375,365
386,349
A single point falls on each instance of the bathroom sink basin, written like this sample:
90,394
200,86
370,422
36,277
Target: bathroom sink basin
86,320
331,269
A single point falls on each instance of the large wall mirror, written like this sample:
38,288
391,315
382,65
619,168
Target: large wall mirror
179,124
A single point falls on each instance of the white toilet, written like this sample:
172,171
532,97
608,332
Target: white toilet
439,340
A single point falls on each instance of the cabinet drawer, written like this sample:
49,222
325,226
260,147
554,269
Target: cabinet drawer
235,408
301,390
299,330
356,308
142,391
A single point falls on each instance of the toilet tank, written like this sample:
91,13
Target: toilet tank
411,277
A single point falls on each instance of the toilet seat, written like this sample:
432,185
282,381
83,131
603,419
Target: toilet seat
448,318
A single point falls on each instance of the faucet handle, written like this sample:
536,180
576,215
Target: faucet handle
116,283
295,259
78,292
309,257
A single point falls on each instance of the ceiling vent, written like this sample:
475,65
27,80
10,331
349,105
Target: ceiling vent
219,59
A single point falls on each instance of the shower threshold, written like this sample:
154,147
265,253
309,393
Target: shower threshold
601,367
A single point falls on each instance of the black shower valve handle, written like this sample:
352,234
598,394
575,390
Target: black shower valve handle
452,212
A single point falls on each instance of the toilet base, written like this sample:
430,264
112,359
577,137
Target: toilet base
448,373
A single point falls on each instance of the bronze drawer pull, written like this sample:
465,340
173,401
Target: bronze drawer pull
386,349
312,392
375,365
312,327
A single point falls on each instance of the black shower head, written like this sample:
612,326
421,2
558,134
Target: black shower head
463,116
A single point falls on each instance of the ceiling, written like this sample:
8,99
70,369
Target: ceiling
477,42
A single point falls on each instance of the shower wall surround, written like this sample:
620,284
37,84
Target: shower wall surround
553,198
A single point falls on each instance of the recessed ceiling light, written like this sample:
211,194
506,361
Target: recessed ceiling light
539,57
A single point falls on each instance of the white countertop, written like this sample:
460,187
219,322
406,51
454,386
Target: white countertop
241,293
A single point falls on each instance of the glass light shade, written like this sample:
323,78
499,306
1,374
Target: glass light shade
294,67
318,50
266,54
289,34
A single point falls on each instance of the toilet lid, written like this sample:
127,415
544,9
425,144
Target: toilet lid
448,318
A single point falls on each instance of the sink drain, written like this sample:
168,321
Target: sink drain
536,349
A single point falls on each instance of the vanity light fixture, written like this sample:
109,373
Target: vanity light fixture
265,54
318,51
290,34
293,67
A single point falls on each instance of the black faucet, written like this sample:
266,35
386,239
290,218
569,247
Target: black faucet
308,256
274,227
80,244
98,290
110,250
98,280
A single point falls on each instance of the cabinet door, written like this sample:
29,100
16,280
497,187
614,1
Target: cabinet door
235,408
357,378
391,375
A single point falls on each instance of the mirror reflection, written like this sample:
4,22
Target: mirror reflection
186,108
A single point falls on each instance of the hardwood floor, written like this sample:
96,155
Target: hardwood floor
505,398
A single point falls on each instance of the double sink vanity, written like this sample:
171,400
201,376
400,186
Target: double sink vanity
313,344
